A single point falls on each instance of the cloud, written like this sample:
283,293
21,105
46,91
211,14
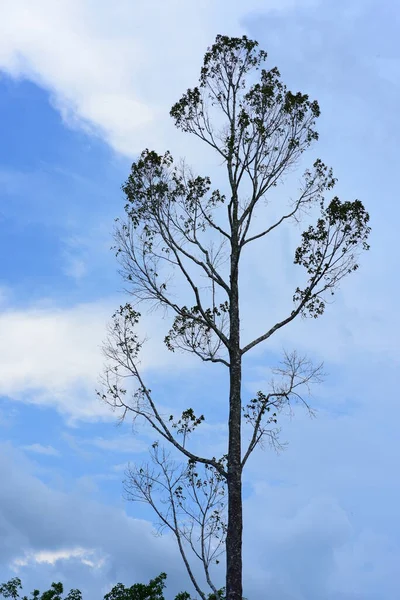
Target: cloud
40,449
316,553
87,557
101,48
321,517
51,535
112,69
52,356
313,530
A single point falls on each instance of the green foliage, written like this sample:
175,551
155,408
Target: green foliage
264,110
11,590
329,251
139,591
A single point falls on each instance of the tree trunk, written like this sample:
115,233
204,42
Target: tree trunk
235,516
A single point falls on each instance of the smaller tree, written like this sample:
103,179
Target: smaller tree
139,591
13,586
189,500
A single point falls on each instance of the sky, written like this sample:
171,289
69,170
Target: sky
85,85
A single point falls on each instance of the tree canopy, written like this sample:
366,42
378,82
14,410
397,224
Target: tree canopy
180,232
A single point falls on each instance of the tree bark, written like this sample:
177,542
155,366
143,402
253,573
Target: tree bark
235,511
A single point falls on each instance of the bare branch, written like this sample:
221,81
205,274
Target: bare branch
329,252
296,373
122,350
315,184
191,505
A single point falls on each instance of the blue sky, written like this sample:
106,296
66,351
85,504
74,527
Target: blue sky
84,86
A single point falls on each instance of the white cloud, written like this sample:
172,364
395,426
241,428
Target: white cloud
52,356
115,69
146,54
40,449
50,535
87,557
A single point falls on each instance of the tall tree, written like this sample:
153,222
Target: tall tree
178,230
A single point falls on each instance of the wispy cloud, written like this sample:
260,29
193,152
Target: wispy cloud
98,69
51,557
40,449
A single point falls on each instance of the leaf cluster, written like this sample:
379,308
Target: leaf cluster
11,589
